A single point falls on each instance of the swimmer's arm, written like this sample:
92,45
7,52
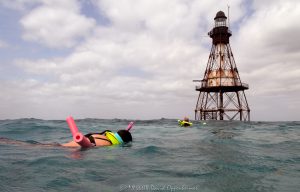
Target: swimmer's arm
70,144
98,140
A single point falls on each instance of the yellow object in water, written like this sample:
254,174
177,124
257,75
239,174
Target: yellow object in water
111,136
184,123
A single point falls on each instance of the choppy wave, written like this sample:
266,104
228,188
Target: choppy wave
209,156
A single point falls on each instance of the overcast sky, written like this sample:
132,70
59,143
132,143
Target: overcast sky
136,59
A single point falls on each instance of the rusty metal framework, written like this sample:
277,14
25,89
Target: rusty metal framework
221,94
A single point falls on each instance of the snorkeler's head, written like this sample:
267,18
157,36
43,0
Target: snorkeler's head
186,119
125,135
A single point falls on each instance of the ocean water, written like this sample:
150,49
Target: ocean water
210,156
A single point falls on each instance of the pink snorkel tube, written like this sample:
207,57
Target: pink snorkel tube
130,125
78,137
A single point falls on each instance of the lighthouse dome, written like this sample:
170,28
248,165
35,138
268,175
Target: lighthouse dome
220,14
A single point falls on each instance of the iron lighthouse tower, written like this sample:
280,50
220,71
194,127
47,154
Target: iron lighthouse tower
221,94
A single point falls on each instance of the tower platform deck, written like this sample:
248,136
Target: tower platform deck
223,88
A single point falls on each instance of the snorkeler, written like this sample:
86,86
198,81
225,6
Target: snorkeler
185,122
105,138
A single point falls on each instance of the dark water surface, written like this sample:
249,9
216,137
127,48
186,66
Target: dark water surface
211,156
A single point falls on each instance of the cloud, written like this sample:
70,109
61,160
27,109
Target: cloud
267,55
141,63
3,44
20,5
56,24
267,44
165,19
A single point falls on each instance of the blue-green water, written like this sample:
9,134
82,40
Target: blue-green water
212,157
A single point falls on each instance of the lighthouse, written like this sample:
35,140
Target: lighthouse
221,92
